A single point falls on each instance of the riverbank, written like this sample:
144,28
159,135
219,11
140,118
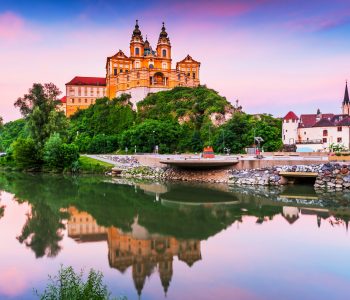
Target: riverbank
85,165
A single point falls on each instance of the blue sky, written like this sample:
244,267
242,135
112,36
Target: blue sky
273,55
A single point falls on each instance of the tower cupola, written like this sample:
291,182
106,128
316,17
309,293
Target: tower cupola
136,43
164,47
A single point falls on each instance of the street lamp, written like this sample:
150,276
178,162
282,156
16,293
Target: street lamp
154,142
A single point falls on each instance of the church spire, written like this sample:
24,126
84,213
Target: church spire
163,33
346,95
137,31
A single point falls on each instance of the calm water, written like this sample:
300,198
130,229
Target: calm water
179,241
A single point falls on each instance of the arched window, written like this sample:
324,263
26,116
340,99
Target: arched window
151,66
137,51
163,65
137,65
164,53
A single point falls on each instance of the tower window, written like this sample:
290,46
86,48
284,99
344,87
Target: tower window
194,75
164,65
115,71
151,66
164,53
121,71
137,51
137,65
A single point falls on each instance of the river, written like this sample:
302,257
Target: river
174,240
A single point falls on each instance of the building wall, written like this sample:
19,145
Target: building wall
329,137
82,96
139,93
289,132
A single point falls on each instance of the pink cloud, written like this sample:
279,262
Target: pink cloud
320,22
14,28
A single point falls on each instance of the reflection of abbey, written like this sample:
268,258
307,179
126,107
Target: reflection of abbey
139,249
144,71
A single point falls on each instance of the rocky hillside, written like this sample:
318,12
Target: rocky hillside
186,105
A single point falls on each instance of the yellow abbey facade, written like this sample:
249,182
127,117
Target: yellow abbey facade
144,71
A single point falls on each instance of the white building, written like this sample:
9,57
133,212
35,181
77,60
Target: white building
316,132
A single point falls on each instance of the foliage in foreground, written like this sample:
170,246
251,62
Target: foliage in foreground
69,285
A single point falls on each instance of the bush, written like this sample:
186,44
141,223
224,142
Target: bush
103,144
58,155
25,154
68,285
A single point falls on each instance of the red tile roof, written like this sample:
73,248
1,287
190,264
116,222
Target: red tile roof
79,80
311,119
291,116
63,99
324,122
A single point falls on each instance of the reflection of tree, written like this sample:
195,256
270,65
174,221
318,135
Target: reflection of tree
2,208
42,230
2,211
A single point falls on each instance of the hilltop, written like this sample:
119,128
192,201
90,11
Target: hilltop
186,105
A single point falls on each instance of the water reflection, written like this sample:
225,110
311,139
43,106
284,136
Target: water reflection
147,227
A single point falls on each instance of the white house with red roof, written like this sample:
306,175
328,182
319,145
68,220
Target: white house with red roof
316,132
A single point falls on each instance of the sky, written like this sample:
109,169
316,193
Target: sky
272,55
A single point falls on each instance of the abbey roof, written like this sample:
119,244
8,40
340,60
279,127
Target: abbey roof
79,80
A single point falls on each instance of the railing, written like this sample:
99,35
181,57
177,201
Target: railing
305,142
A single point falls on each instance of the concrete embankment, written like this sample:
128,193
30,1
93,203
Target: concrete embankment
265,172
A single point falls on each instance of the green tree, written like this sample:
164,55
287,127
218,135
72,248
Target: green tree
11,131
58,155
25,154
145,136
40,108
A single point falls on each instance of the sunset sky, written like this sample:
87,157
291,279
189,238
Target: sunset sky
273,55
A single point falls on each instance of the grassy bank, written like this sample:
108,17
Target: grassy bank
86,165
90,165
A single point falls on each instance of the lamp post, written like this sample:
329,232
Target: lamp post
154,142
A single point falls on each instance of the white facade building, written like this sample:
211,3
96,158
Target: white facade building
316,132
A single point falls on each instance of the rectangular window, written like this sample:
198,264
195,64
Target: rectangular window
325,140
340,128
325,132
121,71
115,72
339,139
72,100
194,75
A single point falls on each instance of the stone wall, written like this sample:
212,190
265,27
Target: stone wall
331,176
268,176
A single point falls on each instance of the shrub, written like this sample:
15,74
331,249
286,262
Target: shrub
68,285
58,155
25,154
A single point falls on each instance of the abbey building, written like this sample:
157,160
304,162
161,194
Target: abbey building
145,70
